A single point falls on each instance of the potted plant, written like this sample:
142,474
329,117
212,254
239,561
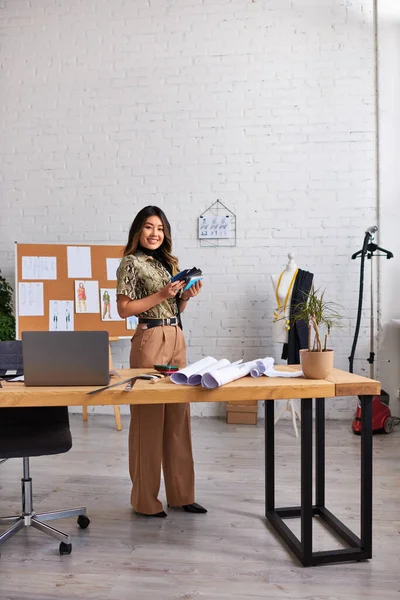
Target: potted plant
7,319
321,316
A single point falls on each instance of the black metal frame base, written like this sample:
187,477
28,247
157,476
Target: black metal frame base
358,548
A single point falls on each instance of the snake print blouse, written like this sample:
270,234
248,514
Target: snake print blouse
138,276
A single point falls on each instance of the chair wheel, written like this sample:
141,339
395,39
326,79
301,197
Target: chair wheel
83,521
65,548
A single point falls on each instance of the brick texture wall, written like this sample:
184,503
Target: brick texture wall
266,105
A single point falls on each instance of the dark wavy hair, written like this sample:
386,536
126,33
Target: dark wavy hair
165,249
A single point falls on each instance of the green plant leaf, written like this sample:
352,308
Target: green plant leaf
7,328
7,320
319,314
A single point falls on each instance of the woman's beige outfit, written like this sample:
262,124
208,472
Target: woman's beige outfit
159,434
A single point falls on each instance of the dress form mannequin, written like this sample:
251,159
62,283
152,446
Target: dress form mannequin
283,287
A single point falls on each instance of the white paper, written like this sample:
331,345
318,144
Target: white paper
131,323
87,297
39,267
262,365
61,315
183,375
215,227
195,379
30,300
112,266
19,378
227,374
287,374
265,363
108,301
79,262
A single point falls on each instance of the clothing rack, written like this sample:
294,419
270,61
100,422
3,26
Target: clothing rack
369,251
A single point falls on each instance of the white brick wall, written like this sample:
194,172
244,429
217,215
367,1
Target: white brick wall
389,37
267,105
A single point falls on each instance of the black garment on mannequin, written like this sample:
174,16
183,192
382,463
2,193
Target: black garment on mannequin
298,332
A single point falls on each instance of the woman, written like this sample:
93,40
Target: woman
106,305
81,298
159,434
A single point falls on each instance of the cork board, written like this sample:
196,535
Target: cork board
63,287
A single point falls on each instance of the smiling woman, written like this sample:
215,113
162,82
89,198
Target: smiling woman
144,275
159,434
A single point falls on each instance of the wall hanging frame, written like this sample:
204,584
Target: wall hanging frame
217,226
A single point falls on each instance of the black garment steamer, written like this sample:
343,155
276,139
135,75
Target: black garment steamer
381,416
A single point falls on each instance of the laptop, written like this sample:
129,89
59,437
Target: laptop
65,358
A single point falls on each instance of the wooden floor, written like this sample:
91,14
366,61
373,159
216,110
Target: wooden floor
230,553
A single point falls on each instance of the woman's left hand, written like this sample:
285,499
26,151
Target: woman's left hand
194,290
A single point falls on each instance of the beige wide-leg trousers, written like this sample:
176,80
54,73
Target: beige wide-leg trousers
160,434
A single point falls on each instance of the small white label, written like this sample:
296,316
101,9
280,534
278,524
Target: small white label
11,372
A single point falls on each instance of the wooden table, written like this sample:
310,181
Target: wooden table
340,383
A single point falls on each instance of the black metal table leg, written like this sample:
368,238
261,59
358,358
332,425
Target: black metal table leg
269,407
320,452
306,481
366,474
271,514
357,548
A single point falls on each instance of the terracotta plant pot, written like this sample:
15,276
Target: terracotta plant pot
316,365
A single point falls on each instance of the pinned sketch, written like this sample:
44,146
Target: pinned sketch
79,262
215,227
30,300
39,267
112,266
61,315
131,323
108,298
87,297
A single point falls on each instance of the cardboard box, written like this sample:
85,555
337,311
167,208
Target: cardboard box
243,403
241,418
236,407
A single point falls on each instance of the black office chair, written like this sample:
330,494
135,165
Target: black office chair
38,431
11,363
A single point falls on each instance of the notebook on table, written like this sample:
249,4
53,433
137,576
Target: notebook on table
59,358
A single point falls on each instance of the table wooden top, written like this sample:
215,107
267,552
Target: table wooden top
339,383
350,384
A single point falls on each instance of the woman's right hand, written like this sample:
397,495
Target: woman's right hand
171,289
